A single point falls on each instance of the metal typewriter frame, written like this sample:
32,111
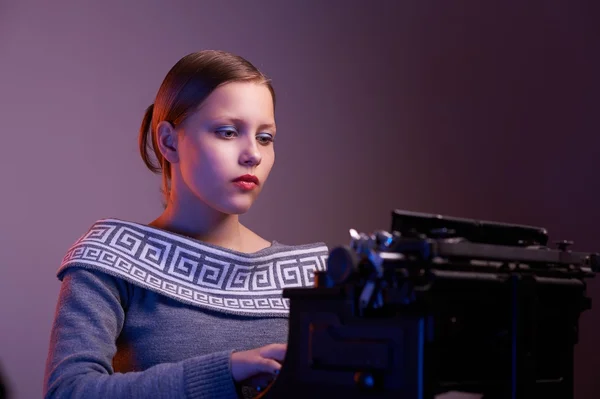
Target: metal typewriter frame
439,304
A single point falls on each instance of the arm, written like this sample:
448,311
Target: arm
89,317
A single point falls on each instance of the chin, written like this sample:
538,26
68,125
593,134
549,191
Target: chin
237,207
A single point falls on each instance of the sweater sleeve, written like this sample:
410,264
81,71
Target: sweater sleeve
88,320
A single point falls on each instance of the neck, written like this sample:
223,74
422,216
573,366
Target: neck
203,223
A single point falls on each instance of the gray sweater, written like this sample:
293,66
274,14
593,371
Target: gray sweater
143,313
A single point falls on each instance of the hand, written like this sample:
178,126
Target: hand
264,360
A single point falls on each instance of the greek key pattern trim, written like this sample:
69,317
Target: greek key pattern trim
196,273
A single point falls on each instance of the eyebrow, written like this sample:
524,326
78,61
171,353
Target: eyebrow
241,122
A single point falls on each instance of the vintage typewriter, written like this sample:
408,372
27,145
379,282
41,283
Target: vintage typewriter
438,304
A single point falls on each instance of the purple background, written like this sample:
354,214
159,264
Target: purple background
474,109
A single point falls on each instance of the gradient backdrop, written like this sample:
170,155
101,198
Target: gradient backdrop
484,109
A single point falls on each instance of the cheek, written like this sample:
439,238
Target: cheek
211,165
268,160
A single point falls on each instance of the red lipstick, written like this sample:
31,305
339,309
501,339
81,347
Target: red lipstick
246,182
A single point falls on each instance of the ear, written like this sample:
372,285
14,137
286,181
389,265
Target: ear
167,141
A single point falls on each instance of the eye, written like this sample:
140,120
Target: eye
265,138
227,132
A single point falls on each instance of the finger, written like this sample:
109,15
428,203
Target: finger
274,351
269,366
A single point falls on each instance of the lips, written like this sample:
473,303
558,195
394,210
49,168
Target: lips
246,183
247,179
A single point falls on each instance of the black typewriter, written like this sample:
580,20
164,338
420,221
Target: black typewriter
435,305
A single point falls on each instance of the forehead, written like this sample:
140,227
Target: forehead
243,100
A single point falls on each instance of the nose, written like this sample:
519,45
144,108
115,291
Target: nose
250,155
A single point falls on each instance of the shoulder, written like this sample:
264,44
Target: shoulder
312,252
94,246
262,245
100,229
311,246
85,281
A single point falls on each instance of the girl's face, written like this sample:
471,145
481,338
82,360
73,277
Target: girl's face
231,135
